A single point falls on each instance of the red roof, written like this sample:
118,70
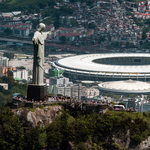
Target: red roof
8,26
20,28
142,2
71,48
49,27
96,45
21,24
146,14
141,6
66,29
69,34
138,13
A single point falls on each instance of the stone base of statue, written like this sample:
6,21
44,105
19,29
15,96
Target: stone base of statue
37,92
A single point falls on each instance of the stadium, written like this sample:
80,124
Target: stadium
125,87
106,67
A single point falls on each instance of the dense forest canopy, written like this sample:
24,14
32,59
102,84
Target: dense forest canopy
35,6
13,87
46,8
27,5
85,131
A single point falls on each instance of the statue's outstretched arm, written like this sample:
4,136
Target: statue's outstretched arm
49,32
45,34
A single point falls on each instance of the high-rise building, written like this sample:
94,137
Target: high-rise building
55,73
4,61
58,80
71,90
4,70
75,91
129,103
61,85
22,73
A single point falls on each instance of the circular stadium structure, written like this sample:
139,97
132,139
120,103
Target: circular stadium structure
125,87
106,67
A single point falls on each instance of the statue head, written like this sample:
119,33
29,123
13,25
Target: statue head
41,27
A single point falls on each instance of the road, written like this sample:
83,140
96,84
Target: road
15,40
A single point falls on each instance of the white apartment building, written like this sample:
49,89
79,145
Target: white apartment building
61,85
66,91
4,61
22,73
92,92
4,85
70,90
58,80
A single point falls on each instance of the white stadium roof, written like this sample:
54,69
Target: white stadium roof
106,67
128,86
84,63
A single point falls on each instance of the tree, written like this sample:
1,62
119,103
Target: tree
54,136
13,87
116,97
34,24
90,2
144,36
8,31
146,29
9,73
35,139
31,34
11,132
65,10
148,96
101,39
127,44
133,95
10,55
74,23
21,67
72,1
113,103
141,43
91,26
147,21
57,24
10,80
63,39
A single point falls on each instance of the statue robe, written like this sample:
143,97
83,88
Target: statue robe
38,70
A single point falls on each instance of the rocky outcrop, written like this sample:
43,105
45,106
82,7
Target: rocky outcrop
118,140
121,136
145,145
121,140
41,116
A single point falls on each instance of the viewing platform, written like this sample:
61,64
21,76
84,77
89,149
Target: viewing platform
73,106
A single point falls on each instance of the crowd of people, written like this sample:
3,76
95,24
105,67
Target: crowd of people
55,99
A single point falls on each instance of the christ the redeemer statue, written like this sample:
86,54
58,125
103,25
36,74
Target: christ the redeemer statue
38,42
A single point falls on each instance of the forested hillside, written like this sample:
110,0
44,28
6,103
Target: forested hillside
111,131
31,6
46,8
13,87
35,6
28,5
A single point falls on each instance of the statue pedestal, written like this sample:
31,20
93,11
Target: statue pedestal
37,92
